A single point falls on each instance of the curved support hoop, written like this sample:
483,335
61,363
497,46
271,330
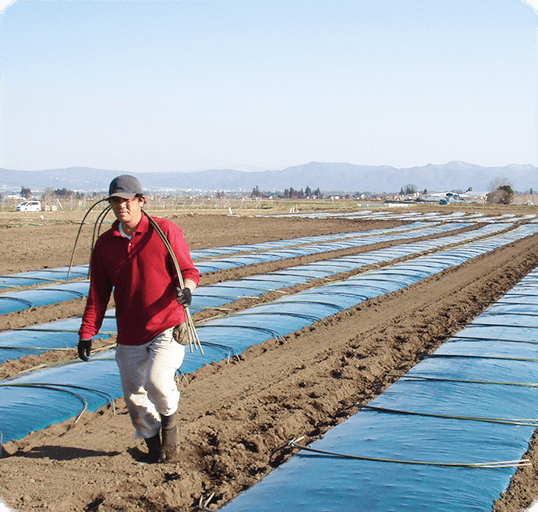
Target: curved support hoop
230,350
504,421
480,338
74,292
297,315
497,383
355,283
52,387
484,465
29,303
275,334
321,303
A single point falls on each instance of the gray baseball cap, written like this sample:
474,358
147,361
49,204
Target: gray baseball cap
124,186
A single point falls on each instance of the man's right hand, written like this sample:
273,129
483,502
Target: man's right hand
84,349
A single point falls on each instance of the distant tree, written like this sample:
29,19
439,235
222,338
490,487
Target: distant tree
531,192
498,182
410,188
64,193
256,192
425,191
47,195
26,192
317,193
504,194
308,192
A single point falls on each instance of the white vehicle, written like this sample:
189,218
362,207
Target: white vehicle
29,206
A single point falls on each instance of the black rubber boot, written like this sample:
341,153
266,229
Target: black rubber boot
170,433
154,449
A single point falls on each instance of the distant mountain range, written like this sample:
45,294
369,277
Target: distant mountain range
328,177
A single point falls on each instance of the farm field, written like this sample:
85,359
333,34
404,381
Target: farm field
236,415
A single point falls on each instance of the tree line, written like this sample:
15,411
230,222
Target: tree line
289,193
49,193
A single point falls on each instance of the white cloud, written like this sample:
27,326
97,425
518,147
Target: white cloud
533,4
4,4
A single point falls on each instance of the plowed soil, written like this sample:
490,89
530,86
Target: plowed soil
238,416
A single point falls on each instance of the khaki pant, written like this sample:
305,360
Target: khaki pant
147,378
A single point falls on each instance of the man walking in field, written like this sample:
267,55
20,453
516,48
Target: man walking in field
132,261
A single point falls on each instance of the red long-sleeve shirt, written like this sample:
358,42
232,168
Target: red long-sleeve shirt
143,276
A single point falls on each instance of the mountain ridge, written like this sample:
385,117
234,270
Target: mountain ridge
327,176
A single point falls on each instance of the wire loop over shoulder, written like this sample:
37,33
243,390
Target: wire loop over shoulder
102,215
194,341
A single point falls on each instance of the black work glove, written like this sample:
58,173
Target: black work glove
84,349
184,296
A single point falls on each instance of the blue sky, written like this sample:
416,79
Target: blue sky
256,85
